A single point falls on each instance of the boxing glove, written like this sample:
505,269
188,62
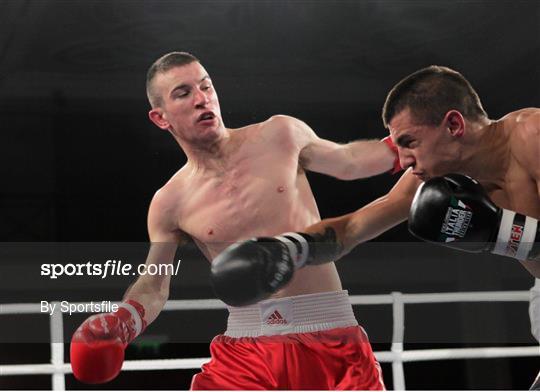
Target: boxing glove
98,345
251,271
455,210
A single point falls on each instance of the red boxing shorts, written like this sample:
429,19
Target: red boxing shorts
304,342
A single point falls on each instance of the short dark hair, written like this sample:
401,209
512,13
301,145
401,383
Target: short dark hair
163,64
430,93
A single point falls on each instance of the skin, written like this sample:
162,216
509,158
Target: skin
239,183
503,155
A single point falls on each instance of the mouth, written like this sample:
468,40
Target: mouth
420,175
206,116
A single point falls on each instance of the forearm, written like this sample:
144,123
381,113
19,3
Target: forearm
152,291
347,231
371,220
333,232
150,294
368,158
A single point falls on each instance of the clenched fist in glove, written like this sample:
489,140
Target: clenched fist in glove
97,346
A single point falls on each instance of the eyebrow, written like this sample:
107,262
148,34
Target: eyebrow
184,86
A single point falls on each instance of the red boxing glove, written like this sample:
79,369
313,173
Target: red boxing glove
397,166
97,346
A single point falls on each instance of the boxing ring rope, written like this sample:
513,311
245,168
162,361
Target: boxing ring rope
397,356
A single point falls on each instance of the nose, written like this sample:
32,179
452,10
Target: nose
406,159
201,99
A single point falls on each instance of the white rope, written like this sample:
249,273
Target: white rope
57,348
470,296
382,356
187,363
397,356
468,353
19,308
398,335
195,304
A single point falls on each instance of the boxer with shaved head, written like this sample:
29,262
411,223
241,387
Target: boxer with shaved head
238,183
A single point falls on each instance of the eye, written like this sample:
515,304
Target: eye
409,143
181,94
206,87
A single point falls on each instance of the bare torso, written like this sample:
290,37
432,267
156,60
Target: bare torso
518,189
258,189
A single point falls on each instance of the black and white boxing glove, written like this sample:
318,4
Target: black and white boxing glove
250,271
455,210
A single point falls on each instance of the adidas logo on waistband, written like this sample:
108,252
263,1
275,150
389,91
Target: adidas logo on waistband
276,318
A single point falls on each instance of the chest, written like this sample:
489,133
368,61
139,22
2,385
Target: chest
233,204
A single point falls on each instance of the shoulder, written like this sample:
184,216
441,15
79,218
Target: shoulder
288,127
282,123
161,201
283,120
168,197
529,119
524,122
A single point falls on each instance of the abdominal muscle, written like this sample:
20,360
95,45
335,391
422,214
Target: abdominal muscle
224,222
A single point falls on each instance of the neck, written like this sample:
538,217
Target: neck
207,155
485,152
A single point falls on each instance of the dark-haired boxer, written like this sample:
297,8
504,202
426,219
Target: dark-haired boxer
438,123
238,183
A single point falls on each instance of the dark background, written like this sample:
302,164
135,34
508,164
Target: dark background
80,160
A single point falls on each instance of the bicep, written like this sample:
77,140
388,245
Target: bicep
161,223
164,234
327,157
359,159
309,144
315,154
322,156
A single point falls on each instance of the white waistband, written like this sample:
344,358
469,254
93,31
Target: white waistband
298,314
